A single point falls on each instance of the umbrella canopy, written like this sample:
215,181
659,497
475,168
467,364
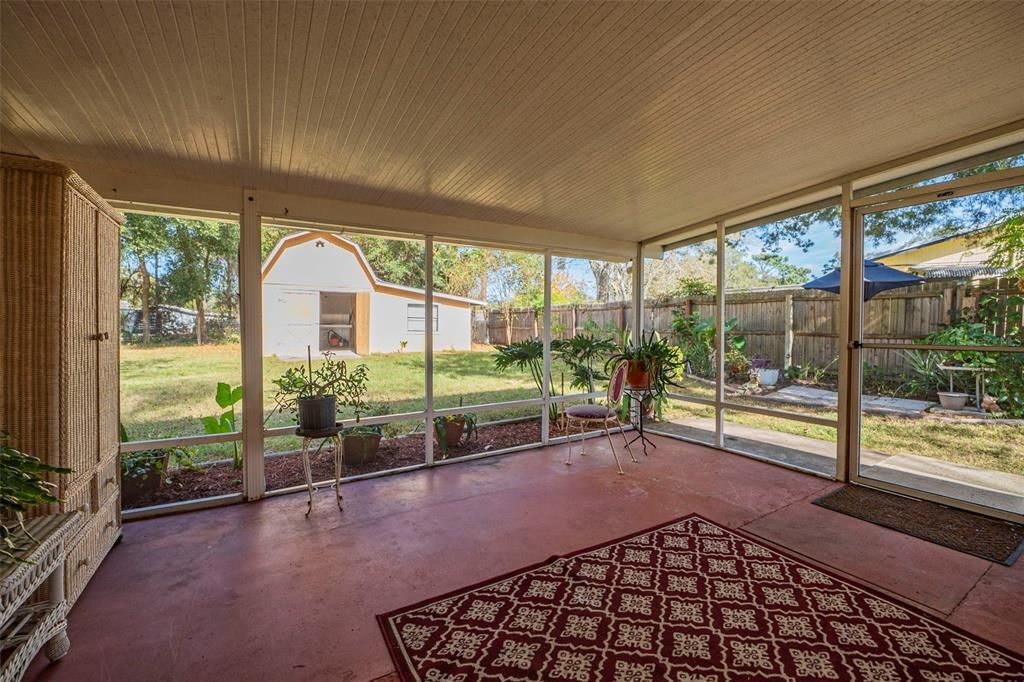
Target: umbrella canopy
877,278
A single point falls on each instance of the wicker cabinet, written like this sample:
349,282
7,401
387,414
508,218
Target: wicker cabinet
59,332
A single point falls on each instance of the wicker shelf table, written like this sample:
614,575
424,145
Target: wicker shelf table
27,628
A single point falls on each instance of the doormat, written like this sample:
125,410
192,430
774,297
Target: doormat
993,539
687,600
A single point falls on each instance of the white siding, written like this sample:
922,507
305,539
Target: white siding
291,304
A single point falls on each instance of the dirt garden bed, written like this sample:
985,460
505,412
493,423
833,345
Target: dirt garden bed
284,470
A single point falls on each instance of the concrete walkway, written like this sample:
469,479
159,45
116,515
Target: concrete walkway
872,404
994,489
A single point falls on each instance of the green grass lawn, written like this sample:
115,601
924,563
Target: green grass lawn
166,389
998,447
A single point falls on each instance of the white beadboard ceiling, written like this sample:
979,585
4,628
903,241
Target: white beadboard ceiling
609,119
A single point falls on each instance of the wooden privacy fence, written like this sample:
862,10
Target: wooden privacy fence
786,325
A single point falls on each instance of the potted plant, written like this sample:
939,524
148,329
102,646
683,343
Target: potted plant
763,371
653,363
22,486
142,474
361,442
450,429
313,394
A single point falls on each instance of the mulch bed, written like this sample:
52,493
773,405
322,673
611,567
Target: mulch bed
993,539
285,470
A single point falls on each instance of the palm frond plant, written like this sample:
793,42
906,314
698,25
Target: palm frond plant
654,363
585,356
23,485
528,356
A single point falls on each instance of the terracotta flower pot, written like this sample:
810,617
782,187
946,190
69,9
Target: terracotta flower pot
637,374
360,448
453,431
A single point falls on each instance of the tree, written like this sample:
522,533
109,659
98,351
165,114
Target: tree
1007,243
931,220
776,268
143,238
202,253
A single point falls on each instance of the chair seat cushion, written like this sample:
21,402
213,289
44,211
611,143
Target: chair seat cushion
590,412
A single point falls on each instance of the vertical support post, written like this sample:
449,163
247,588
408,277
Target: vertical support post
545,417
848,333
428,354
638,291
720,334
787,339
251,289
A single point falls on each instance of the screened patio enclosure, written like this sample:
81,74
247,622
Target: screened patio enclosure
630,137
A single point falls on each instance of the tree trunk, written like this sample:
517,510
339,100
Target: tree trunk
145,300
200,322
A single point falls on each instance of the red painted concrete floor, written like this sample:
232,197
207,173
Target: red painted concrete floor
259,592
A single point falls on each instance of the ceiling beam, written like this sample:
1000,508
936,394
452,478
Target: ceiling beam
205,200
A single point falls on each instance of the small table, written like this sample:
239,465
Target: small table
332,434
27,628
637,397
979,380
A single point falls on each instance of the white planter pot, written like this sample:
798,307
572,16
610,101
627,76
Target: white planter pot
952,401
767,376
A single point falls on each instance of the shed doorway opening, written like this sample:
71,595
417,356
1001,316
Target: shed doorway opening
337,321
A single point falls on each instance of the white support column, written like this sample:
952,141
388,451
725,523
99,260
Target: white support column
545,417
638,291
251,290
851,292
720,335
428,354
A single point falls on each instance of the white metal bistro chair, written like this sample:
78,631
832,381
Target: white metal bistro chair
600,415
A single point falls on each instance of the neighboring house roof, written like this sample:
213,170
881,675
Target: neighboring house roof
961,271
913,247
378,284
964,255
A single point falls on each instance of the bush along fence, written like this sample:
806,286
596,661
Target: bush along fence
790,326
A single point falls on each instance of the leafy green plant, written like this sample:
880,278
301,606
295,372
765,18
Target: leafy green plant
924,378
655,354
22,486
526,355
696,338
332,377
370,409
584,355
444,422
226,397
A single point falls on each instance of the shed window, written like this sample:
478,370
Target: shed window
415,318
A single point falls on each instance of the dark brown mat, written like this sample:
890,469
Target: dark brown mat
985,537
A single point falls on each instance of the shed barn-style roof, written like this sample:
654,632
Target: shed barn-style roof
375,282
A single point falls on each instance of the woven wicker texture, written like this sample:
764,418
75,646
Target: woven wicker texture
78,345
30,246
58,291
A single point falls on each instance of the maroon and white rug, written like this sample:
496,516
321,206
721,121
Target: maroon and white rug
686,601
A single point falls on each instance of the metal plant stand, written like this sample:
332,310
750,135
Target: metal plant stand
27,628
979,381
637,397
332,434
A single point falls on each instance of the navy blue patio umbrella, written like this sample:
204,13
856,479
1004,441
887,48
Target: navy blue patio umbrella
877,278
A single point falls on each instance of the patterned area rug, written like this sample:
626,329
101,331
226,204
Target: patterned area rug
687,601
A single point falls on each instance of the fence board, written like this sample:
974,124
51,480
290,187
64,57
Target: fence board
901,316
